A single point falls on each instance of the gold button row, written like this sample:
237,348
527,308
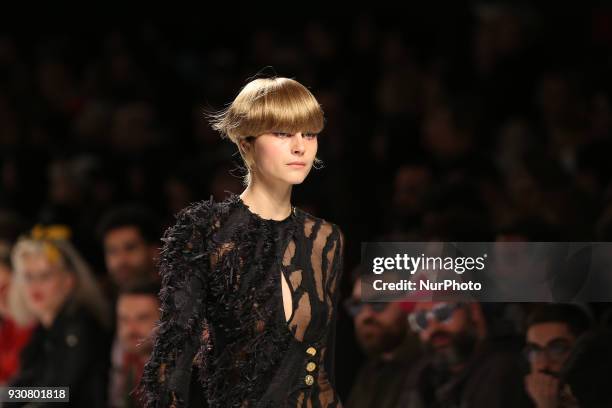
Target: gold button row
310,367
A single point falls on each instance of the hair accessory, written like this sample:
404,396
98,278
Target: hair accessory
48,234
56,231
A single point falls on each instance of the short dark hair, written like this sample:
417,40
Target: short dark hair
577,319
143,288
131,215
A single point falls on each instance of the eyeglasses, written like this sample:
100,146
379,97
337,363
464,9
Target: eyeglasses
354,306
441,312
555,351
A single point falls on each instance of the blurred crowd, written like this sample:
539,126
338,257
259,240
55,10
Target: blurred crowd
477,122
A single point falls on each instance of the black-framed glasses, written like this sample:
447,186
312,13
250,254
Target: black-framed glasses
556,351
441,312
354,306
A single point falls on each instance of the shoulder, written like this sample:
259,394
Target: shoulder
196,211
324,234
324,228
202,215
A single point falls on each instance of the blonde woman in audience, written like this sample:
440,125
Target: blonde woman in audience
55,288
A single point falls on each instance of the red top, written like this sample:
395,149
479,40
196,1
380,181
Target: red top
12,339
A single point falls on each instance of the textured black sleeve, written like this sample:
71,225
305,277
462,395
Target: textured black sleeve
183,266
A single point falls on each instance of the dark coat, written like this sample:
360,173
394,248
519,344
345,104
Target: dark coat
73,352
493,378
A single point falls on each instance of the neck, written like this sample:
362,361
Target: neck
268,203
46,319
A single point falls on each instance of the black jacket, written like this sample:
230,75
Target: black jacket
73,352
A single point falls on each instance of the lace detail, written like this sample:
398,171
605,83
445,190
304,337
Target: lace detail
223,309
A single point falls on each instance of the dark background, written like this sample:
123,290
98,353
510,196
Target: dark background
466,122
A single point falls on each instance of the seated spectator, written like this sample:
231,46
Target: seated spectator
137,312
460,366
552,331
382,333
12,337
54,287
131,236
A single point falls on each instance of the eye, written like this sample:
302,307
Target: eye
281,134
310,135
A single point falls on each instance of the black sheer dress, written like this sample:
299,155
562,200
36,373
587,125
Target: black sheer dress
250,304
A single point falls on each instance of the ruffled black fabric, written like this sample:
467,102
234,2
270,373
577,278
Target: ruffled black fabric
222,309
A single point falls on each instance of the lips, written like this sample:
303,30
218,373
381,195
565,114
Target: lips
37,296
440,340
296,164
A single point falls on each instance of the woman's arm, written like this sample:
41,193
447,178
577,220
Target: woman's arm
183,266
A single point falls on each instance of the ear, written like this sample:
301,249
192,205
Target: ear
245,144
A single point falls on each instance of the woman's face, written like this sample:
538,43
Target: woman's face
285,157
46,285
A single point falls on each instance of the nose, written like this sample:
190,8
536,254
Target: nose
365,313
297,146
541,362
432,327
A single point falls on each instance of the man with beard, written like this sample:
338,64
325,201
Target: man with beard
382,333
460,368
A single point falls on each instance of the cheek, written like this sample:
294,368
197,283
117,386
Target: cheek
270,151
141,257
144,327
56,288
313,148
113,259
270,156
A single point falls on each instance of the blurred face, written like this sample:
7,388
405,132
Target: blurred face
46,284
450,334
548,345
129,258
440,135
5,280
380,327
411,185
284,157
136,317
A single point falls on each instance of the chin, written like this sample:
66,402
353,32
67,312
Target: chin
295,180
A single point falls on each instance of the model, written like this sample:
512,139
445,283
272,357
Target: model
250,284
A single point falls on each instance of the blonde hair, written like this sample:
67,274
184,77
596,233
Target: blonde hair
268,105
86,292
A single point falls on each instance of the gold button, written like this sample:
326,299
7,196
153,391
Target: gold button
309,379
311,351
310,366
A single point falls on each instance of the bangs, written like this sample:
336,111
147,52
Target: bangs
271,105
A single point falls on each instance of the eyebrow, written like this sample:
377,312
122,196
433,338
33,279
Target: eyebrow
550,341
